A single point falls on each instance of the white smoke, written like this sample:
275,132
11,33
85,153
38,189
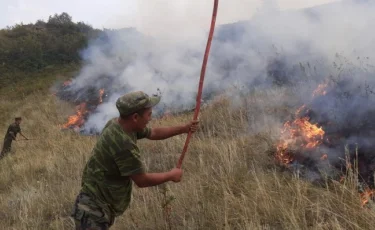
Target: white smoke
170,58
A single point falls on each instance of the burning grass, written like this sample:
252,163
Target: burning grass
304,146
84,106
229,182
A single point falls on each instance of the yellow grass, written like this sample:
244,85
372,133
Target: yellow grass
229,181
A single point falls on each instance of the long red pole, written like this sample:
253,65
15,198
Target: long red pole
200,88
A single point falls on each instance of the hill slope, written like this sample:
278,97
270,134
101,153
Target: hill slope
230,179
229,182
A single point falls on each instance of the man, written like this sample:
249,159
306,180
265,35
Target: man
11,135
115,163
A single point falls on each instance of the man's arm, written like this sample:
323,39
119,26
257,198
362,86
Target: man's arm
130,165
161,133
152,179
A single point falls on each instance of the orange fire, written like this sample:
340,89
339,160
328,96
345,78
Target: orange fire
366,196
101,92
312,135
77,120
321,90
299,110
304,135
299,133
283,155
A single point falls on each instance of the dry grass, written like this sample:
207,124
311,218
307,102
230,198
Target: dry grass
229,180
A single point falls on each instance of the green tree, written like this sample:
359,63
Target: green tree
32,47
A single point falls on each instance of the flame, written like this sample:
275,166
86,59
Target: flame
101,92
312,135
283,155
77,120
298,133
366,196
299,110
303,135
321,90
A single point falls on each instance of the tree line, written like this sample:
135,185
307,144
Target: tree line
32,47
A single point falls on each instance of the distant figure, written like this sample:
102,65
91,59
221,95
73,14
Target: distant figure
116,163
11,135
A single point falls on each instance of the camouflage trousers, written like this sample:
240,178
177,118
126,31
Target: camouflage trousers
6,146
88,215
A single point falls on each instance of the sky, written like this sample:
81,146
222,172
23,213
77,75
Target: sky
142,14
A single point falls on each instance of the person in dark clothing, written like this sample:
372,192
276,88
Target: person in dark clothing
11,135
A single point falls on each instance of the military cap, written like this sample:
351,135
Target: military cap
134,101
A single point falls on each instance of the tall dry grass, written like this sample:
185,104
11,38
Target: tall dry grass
229,181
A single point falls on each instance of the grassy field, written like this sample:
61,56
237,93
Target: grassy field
230,180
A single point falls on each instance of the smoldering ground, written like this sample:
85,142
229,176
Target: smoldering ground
298,49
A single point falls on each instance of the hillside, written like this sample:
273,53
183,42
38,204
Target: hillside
28,49
232,179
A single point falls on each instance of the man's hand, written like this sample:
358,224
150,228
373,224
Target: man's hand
176,174
192,126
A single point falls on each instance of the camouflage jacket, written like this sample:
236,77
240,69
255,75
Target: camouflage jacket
114,158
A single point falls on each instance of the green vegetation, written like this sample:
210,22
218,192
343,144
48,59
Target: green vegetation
32,48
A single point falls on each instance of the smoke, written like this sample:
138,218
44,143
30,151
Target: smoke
291,47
